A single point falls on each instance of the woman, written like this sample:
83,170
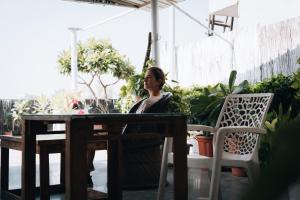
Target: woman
142,157
157,102
153,83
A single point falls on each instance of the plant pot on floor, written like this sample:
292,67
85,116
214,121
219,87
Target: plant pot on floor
205,145
234,148
9,133
238,171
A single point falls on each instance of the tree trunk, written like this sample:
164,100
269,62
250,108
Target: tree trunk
147,57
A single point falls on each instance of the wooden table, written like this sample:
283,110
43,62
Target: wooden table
78,129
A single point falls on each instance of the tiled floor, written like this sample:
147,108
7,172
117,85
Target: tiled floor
232,187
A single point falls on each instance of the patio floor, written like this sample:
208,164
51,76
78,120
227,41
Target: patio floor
232,187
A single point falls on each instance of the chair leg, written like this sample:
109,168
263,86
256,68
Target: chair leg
164,169
210,179
214,189
216,174
4,168
44,174
220,190
231,24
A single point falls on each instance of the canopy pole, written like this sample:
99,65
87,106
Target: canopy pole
173,66
74,69
155,43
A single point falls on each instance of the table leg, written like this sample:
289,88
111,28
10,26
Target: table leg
180,160
75,159
28,158
44,173
114,161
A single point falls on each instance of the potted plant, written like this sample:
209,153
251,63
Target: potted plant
205,144
205,109
7,124
199,114
41,105
19,108
66,102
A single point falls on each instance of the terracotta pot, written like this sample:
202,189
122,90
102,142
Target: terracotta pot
235,171
205,145
8,133
238,171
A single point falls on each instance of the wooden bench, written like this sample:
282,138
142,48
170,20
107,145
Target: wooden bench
45,145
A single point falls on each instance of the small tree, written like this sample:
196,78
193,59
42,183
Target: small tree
96,58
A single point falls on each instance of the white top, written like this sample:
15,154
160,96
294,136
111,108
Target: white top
147,103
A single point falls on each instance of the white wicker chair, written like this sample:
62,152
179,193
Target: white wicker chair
236,140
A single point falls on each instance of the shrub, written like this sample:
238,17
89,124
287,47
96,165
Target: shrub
284,93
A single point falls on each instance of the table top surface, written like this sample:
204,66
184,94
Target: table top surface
105,116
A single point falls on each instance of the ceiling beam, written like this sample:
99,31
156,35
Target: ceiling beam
132,3
126,3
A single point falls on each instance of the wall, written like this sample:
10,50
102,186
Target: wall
258,53
264,12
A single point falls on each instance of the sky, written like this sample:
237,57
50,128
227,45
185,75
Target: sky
34,32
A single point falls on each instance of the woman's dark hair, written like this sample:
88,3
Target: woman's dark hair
158,75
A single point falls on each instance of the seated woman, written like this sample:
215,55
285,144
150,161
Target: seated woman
142,157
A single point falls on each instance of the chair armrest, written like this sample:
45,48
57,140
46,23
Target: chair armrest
196,127
220,136
229,129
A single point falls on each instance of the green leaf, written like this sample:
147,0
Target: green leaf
223,89
232,79
241,87
199,105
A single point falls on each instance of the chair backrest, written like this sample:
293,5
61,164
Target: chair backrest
243,110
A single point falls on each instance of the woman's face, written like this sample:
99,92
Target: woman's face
150,83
